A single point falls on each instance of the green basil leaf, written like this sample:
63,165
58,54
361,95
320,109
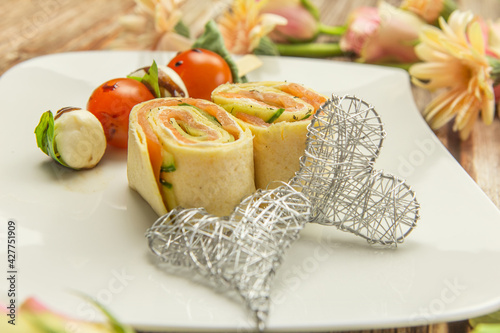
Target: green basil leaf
182,29
150,79
44,133
135,78
212,40
45,125
266,47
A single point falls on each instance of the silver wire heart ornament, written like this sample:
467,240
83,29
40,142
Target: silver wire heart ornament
335,186
338,177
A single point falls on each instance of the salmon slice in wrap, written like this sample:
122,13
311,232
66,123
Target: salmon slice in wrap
278,114
191,153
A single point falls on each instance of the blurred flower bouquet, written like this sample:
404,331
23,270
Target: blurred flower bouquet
35,317
453,53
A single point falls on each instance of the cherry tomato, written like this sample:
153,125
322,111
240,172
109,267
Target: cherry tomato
202,71
111,103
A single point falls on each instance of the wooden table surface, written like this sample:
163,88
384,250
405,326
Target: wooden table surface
30,28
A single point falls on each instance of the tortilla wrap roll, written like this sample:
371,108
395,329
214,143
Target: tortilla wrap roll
278,114
191,153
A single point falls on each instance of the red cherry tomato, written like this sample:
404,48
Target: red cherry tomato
202,71
111,103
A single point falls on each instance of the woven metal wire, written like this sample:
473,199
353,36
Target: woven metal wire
336,186
337,175
241,251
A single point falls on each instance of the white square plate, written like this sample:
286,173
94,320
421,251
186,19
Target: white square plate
84,230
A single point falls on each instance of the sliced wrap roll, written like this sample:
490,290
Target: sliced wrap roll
191,153
278,114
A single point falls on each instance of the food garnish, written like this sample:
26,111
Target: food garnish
162,81
73,138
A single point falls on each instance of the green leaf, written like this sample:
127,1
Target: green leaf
275,116
212,40
135,78
41,325
449,6
266,47
116,326
495,69
492,318
45,126
486,328
182,29
150,79
45,140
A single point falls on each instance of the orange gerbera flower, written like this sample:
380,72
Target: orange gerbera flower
243,25
455,60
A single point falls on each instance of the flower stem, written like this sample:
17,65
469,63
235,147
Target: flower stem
449,6
314,50
331,30
495,70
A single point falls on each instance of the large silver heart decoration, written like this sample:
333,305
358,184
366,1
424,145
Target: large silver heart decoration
335,186
337,175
